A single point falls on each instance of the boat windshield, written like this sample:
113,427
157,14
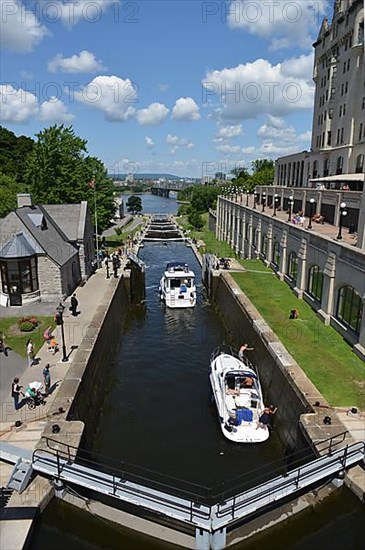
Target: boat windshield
235,383
181,283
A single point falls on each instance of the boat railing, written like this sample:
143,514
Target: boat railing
229,350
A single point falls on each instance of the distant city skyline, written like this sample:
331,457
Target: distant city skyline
187,88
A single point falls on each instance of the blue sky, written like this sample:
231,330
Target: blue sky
185,87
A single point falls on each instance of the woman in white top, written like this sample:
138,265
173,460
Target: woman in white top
30,352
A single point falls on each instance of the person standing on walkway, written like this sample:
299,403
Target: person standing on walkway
16,391
74,304
47,378
242,351
30,352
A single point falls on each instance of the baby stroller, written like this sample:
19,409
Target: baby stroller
33,395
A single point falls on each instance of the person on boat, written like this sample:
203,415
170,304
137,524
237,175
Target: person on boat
242,350
247,382
265,417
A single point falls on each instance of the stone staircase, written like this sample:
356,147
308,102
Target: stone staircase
20,476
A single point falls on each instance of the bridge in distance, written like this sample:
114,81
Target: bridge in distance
163,188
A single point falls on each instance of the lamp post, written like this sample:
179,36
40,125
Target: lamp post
311,207
263,201
343,212
59,310
247,195
291,202
255,198
107,267
276,200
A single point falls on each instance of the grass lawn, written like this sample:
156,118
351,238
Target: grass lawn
320,351
16,340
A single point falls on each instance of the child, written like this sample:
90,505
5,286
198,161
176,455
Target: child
54,345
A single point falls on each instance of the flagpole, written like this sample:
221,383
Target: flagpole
96,226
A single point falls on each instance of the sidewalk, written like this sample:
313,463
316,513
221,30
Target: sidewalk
89,297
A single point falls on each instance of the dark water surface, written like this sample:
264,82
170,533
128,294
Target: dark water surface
158,413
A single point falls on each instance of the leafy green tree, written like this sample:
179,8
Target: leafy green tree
196,220
8,191
134,204
14,152
59,171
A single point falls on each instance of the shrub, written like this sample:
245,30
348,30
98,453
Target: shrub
26,326
119,231
29,322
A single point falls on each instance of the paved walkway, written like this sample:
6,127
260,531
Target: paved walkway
89,297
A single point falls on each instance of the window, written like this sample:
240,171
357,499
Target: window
330,113
293,267
333,93
359,164
19,275
339,165
338,136
344,109
348,64
340,110
315,282
276,254
360,130
315,168
346,87
344,67
363,103
349,308
329,137
326,167
341,139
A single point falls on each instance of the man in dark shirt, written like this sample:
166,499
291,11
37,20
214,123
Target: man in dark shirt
74,304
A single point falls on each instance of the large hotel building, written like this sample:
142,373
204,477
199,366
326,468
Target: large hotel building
338,130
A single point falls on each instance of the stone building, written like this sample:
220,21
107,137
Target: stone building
337,149
45,251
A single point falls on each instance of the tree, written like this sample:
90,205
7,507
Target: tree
14,152
134,204
196,220
8,191
59,170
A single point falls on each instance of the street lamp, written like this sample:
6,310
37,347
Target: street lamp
343,212
247,195
276,200
263,201
59,321
291,202
255,199
107,267
311,207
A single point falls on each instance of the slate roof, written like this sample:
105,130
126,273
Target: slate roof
19,246
69,217
52,240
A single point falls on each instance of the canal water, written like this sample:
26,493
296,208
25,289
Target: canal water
158,415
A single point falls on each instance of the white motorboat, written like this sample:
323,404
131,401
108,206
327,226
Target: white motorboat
177,286
238,396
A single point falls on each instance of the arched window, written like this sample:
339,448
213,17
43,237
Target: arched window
359,164
349,308
264,245
326,167
339,165
293,266
315,282
276,254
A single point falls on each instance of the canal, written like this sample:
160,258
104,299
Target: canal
157,414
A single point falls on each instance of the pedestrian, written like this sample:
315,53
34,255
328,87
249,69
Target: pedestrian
30,352
47,378
53,346
242,350
16,391
264,418
74,304
3,346
47,335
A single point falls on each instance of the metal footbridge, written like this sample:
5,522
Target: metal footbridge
210,514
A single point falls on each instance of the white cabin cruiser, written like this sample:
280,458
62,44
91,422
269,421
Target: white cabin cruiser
238,396
177,286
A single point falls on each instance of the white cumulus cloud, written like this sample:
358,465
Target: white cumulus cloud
149,141
228,132
84,62
17,105
246,91
54,110
284,23
178,142
280,139
20,30
153,115
112,95
185,108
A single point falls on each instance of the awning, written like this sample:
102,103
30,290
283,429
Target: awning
340,177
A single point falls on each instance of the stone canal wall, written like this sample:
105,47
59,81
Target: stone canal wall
83,389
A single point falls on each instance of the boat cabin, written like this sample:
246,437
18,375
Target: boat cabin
243,388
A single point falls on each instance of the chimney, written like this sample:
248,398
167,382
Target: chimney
24,199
